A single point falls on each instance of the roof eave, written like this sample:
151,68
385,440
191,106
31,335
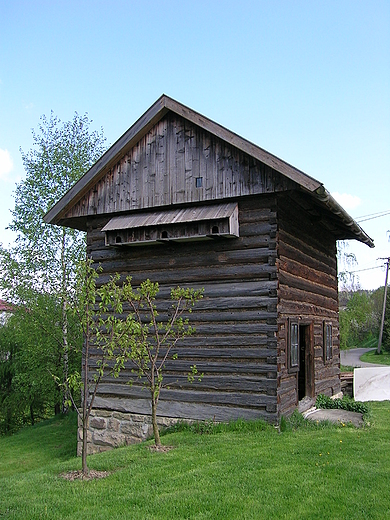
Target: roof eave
323,195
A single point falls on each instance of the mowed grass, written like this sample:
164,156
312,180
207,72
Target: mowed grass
371,357
248,471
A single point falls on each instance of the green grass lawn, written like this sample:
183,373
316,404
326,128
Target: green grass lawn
372,357
249,471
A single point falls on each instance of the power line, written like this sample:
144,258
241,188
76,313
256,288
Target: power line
368,269
371,216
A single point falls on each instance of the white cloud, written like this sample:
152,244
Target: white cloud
6,163
346,200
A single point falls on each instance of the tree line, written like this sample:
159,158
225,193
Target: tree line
360,319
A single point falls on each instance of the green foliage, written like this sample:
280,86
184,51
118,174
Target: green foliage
386,326
37,273
297,422
147,340
203,427
29,346
283,425
193,374
346,403
360,318
211,427
44,256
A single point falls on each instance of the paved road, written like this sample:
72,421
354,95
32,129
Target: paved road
351,358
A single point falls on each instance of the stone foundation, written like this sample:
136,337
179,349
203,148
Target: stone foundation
109,430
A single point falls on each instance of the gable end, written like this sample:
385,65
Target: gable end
176,163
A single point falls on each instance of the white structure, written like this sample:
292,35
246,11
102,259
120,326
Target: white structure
5,311
371,384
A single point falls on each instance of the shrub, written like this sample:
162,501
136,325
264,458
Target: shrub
346,403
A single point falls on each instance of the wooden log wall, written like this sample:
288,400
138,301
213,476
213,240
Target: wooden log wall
307,272
235,344
162,169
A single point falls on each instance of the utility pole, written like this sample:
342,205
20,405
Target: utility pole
384,304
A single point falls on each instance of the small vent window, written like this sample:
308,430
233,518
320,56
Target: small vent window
293,346
198,182
327,341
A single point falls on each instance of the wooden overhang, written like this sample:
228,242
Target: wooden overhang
165,104
179,224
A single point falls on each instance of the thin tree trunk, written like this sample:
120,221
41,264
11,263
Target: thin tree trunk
85,417
8,414
8,420
65,367
84,449
156,432
64,319
32,414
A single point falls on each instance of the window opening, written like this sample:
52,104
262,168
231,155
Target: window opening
294,345
327,341
302,373
198,182
164,234
215,230
118,240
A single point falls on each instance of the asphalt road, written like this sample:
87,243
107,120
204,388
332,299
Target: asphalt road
351,358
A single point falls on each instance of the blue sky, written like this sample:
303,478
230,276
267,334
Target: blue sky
308,80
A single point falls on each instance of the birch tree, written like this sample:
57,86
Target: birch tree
43,258
346,265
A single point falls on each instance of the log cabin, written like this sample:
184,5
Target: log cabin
181,200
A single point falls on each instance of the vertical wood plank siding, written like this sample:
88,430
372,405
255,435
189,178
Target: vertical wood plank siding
162,169
235,345
307,272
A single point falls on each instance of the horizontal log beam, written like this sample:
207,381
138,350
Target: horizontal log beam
184,410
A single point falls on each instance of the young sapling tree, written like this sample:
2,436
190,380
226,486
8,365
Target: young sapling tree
104,335
152,340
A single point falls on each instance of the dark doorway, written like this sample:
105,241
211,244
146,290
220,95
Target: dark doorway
306,368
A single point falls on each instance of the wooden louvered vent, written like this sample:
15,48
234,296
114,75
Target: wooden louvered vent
182,224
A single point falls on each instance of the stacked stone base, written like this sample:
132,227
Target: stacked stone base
109,430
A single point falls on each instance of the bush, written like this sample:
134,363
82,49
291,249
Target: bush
346,403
